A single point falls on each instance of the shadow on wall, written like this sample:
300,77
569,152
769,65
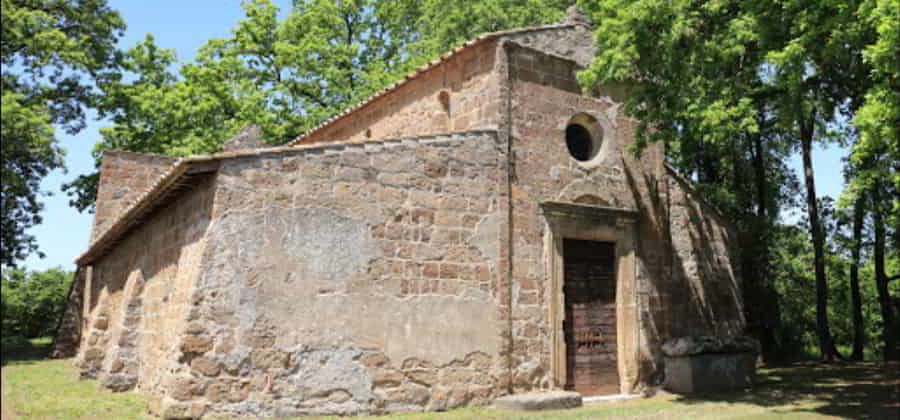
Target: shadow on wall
690,288
652,263
135,289
705,289
156,246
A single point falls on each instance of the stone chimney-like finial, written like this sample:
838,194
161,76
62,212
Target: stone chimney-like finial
575,16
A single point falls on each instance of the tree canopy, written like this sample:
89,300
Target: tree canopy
733,87
32,301
51,52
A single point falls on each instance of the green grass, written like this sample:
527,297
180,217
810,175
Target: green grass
35,387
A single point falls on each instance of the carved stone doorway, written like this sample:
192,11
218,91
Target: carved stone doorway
612,229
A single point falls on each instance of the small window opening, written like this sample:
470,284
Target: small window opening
579,142
444,99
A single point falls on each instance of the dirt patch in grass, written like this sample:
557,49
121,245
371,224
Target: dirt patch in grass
35,387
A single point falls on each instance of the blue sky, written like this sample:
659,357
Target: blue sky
184,26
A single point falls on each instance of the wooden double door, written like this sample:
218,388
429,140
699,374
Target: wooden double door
590,317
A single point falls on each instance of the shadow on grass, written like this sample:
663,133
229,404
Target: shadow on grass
25,352
869,390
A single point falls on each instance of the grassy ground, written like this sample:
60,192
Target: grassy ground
38,388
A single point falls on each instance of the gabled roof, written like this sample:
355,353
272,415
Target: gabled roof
428,67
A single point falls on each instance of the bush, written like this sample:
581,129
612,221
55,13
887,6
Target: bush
33,301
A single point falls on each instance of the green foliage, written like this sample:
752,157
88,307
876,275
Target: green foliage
52,51
794,282
444,24
29,153
33,301
731,86
876,154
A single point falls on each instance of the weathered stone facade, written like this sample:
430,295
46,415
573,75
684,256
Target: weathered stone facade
124,176
405,255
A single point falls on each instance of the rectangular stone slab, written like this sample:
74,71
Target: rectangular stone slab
552,400
710,372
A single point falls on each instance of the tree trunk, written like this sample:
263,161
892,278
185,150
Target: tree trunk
855,297
771,313
826,342
889,331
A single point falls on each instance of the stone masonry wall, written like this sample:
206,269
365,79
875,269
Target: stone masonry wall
457,95
68,332
571,42
349,279
123,177
137,296
545,98
706,292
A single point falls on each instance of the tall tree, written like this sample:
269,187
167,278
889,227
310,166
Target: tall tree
706,75
876,154
51,53
881,279
859,337
823,331
692,69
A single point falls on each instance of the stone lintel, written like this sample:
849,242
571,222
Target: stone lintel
555,208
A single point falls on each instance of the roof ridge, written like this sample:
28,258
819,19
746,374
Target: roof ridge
131,152
328,145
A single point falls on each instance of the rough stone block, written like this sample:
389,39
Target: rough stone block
101,323
168,408
715,372
206,366
196,344
552,400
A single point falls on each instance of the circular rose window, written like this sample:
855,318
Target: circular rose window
584,137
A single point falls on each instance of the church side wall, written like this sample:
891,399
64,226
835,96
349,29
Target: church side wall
349,279
707,298
545,98
469,81
137,296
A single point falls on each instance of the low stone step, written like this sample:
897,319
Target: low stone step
545,400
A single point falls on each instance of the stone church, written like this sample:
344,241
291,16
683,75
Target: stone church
476,229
